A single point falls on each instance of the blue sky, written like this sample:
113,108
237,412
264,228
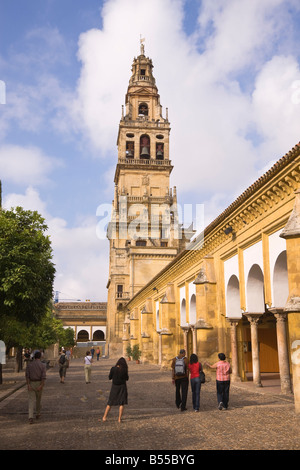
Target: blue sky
227,70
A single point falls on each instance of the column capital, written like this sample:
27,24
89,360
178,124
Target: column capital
279,313
253,317
233,321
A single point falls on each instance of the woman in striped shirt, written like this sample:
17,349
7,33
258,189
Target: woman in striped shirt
222,380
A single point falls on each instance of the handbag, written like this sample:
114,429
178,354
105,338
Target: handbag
202,377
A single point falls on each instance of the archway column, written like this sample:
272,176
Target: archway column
234,349
291,233
253,318
194,332
159,348
283,353
185,337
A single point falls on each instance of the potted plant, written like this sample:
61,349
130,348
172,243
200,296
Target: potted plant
136,353
129,352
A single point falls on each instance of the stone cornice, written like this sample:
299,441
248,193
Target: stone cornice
81,306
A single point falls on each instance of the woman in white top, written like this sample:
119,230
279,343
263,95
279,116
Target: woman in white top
88,367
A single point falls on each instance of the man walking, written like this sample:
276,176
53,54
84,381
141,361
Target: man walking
222,380
35,377
180,376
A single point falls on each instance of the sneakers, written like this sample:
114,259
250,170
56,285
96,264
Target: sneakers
221,406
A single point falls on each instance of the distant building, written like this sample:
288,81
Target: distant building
87,319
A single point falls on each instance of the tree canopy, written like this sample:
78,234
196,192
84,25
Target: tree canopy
26,268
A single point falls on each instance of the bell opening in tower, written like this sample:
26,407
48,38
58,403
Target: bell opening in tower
143,109
145,147
159,151
129,149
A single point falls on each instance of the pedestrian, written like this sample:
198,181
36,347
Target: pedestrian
63,365
68,354
195,367
35,378
26,357
98,353
222,380
180,377
92,352
88,360
118,394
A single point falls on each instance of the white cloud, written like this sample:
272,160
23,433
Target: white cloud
26,165
275,113
81,260
30,200
215,121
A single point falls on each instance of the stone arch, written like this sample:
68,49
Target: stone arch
255,290
98,335
193,316
157,316
82,336
233,306
145,146
183,312
280,281
143,109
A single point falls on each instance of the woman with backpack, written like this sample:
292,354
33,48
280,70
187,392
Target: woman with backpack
195,367
63,364
180,378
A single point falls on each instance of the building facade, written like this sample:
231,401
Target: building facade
144,230
88,321
237,290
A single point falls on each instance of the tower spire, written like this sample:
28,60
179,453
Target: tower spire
142,40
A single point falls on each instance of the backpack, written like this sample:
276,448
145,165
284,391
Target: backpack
180,366
62,359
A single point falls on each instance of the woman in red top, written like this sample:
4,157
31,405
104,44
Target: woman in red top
195,367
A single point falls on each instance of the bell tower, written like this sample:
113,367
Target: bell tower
143,229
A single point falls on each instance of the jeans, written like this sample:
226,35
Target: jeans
181,392
223,392
196,386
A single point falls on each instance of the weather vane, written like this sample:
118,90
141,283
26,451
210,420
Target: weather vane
142,45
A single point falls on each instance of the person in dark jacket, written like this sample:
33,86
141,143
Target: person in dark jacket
35,377
118,393
180,379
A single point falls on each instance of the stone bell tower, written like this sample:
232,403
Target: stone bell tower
142,233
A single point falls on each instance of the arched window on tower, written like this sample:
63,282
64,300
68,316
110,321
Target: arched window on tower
145,147
159,151
143,109
129,149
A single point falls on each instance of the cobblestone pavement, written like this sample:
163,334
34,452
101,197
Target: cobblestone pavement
72,416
